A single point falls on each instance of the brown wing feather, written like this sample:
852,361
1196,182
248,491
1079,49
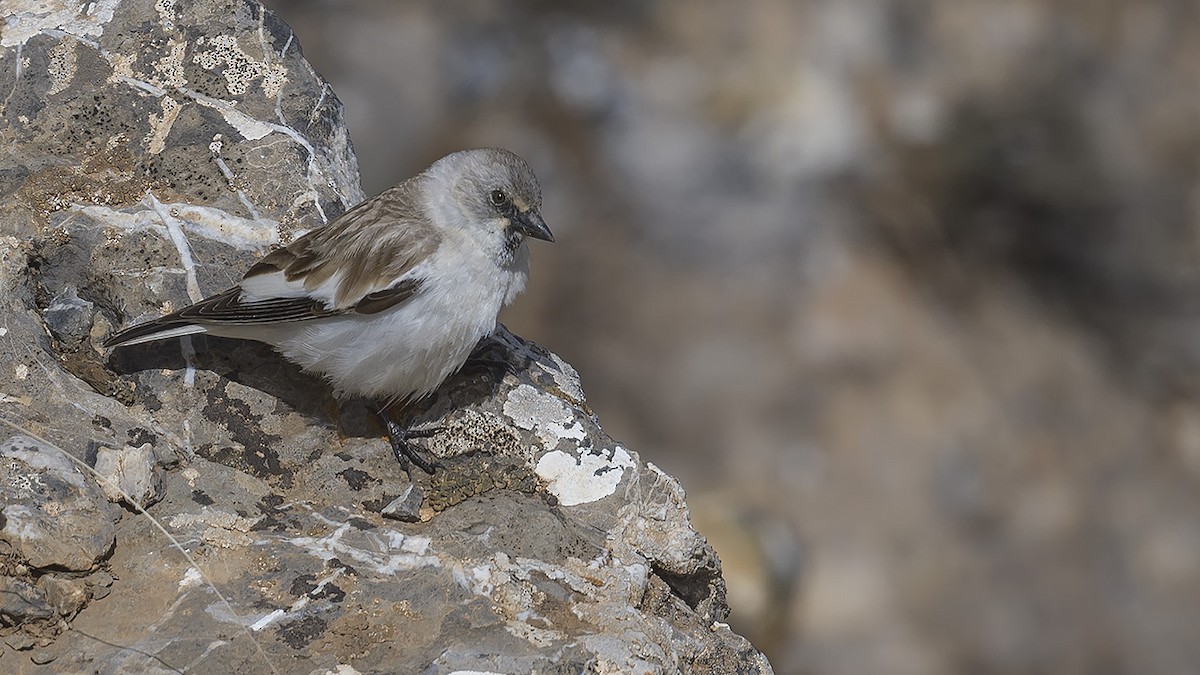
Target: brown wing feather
371,245
227,308
374,303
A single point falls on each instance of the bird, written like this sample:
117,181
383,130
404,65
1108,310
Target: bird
389,299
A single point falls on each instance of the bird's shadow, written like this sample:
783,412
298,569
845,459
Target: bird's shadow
258,366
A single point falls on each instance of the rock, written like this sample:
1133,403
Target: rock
21,602
129,473
69,318
406,507
66,596
55,517
20,642
154,150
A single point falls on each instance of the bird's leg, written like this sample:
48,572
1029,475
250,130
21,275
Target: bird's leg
404,451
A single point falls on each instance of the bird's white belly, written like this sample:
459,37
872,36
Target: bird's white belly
404,352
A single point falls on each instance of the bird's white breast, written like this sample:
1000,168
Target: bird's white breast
407,351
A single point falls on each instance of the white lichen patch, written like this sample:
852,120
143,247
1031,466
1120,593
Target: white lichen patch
240,70
160,125
61,66
213,518
545,415
166,13
122,66
583,479
169,69
221,528
82,19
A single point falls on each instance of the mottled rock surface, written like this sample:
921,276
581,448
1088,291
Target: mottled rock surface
153,151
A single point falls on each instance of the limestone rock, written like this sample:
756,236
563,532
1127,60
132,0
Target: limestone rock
54,515
129,474
155,150
21,603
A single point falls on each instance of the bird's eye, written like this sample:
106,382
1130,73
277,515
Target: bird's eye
498,198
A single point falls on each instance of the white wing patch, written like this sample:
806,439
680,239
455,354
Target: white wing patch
276,285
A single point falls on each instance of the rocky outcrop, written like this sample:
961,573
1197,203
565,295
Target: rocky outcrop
153,151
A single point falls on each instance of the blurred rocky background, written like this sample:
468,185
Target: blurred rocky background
904,292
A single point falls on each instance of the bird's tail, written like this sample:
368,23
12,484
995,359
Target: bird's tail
153,330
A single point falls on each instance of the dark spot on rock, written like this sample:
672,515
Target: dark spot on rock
354,478
139,436
89,455
151,402
102,422
303,585
300,633
259,457
344,456
362,524
201,497
273,517
336,563
257,462
306,584
331,592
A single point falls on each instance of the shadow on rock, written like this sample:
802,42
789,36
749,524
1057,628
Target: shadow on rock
259,366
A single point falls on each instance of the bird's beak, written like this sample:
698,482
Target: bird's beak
530,224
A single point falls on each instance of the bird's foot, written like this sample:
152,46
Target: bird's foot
406,453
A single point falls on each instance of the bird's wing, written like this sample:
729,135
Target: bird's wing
362,263
228,309
364,252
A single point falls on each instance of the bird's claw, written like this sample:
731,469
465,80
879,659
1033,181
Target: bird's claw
406,453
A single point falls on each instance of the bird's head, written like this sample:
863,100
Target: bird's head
495,195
